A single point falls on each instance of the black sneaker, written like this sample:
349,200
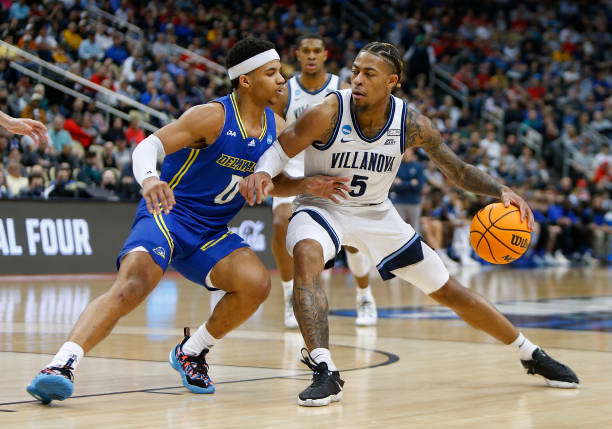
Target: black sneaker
555,373
326,385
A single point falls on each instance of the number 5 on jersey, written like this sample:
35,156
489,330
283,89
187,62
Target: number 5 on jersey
359,181
228,194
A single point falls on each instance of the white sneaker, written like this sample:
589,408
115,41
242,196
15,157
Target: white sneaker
550,260
290,320
366,312
561,259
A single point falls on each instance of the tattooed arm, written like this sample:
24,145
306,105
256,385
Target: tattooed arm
316,124
420,132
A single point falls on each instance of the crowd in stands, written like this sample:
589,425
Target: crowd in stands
546,66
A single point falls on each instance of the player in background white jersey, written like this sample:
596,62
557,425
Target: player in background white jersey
366,218
304,89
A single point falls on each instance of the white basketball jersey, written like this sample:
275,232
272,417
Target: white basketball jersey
370,163
299,99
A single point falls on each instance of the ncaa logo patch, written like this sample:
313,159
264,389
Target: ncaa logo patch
269,139
160,251
346,129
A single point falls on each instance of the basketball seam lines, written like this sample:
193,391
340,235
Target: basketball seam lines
493,224
489,227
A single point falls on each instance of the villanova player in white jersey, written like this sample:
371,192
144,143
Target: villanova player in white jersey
362,133
302,91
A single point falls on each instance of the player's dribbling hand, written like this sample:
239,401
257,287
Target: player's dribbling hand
508,196
156,192
256,186
329,187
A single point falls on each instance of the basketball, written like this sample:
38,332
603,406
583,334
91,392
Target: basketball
498,235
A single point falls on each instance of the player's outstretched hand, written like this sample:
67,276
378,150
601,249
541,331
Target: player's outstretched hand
256,186
329,187
34,129
158,195
508,197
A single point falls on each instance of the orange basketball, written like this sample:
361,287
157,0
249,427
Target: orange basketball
498,235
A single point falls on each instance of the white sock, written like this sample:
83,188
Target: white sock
364,293
323,355
524,347
202,339
69,350
287,287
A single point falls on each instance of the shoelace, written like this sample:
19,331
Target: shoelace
540,360
199,362
65,370
318,372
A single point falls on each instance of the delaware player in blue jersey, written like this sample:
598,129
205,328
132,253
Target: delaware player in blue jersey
182,220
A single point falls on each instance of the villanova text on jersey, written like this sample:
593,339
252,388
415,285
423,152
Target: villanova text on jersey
369,161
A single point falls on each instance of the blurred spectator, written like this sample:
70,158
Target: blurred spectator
15,182
89,48
109,159
17,100
74,126
117,51
33,109
62,186
45,43
66,156
41,155
72,38
123,155
58,135
35,189
109,185
19,10
407,188
134,134
91,172
115,131
4,192
104,40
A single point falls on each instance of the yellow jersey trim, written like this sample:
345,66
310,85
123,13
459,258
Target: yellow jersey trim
211,243
159,220
264,127
179,175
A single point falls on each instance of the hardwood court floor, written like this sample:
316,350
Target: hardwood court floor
420,367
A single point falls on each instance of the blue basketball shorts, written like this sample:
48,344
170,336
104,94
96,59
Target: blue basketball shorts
174,239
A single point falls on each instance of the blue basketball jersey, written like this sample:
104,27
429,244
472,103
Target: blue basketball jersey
205,181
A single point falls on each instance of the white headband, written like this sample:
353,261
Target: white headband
252,63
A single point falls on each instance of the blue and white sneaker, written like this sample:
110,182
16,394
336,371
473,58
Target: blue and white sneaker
53,383
193,369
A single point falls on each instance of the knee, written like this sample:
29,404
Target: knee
308,258
259,285
127,293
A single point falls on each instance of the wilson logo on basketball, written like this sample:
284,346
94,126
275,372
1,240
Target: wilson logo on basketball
519,241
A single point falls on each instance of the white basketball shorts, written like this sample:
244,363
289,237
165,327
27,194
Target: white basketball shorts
379,232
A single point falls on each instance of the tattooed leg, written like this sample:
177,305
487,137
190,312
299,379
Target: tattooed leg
309,299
